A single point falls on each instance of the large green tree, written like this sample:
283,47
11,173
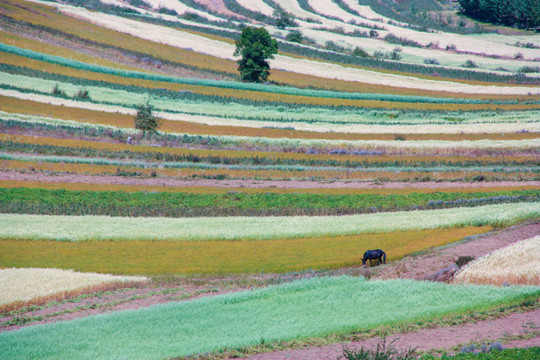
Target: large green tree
256,46
145,119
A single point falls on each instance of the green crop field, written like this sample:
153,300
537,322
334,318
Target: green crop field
307,308
78,228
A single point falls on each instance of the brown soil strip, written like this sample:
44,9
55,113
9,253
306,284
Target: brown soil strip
113,301
239,184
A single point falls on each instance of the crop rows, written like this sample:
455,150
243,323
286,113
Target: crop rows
227,84
516,264
287,48
222,257
80,228
201,84
299,310
100,90
343,147
61,202
223,174
25,284
89,124
215,189
138,168
169,156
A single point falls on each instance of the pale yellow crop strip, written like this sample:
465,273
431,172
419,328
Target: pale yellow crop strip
518,263
27,284
77,228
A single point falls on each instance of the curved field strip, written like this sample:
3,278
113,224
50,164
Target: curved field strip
46,16
517,264
337,160
181,8
477,44
224,50
223,171
292,7
163,107
311,99
367,144
248,87
23,110
17,285
307,308
26,12
200,189
62,202
257,6
221,257
224,174
52,49
80,228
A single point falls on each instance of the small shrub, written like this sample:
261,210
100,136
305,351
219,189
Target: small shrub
57,91
400,138
373,34
167,11
484,348
469,64
431,61
82,94
294,36
529,69
358,51
378,54
394,55
284,19
332,46
382,352
518,55
451,47
463,260
393,39
479,178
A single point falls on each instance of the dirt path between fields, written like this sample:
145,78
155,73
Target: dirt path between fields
524,326
520,324
277,184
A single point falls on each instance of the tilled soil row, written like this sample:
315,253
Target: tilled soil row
277,184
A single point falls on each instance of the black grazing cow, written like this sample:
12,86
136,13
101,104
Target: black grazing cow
372,255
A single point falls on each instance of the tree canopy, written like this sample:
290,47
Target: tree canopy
520,13
145,119
256,46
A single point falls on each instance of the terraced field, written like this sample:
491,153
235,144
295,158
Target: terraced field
378,127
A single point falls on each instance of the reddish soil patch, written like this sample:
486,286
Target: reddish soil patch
277,184
121,299
422,267
430,339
